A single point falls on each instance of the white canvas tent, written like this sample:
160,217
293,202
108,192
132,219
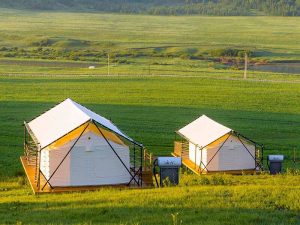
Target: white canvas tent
77,147
212,147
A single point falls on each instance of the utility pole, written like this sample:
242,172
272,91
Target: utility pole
246,65
108,64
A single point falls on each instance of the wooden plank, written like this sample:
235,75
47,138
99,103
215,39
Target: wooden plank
30,172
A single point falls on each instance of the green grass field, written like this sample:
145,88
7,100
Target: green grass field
150,109
149,105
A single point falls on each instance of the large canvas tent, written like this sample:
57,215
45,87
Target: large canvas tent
71,146
207,146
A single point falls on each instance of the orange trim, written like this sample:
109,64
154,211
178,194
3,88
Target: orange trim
91,128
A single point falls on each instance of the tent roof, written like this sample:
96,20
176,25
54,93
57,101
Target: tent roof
203,131
63,118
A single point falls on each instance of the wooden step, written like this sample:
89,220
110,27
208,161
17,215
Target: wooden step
147,177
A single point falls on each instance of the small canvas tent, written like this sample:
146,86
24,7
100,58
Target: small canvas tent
208,146
71,146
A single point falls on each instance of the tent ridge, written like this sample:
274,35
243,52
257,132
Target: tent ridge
63,118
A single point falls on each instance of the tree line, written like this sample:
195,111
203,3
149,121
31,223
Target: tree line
166,7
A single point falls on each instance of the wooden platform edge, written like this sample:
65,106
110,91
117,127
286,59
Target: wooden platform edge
187,163
30,170
24,164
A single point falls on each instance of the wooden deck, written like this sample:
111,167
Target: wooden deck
30,173
194,168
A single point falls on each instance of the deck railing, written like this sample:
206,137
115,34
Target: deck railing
30,152
181,149
148,160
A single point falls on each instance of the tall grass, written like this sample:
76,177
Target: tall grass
248,200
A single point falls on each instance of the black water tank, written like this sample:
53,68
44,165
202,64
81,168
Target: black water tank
169,169
275,163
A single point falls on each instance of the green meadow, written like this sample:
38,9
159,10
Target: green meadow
151,109
119,32
138,44
162,77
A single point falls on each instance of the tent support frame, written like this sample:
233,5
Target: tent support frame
201,171
48,181
257,146
40,174
132,176
257,164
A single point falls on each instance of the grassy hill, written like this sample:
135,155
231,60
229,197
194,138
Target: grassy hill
136,41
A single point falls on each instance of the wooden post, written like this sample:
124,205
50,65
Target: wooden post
145,157
108,64
246,65
294,157
24,141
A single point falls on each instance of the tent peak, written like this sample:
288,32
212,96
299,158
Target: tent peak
203,131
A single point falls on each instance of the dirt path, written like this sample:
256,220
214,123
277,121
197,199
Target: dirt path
154,75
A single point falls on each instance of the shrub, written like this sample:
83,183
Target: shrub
230,52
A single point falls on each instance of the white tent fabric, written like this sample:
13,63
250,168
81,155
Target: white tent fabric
63,118
203,131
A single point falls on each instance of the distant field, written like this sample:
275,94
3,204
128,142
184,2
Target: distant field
112,31
136,42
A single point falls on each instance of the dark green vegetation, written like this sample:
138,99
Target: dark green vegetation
167,7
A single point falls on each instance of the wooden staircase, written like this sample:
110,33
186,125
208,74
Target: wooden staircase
147,177
147,174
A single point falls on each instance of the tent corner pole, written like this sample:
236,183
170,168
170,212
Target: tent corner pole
134,157
111,147
48,181
141,147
